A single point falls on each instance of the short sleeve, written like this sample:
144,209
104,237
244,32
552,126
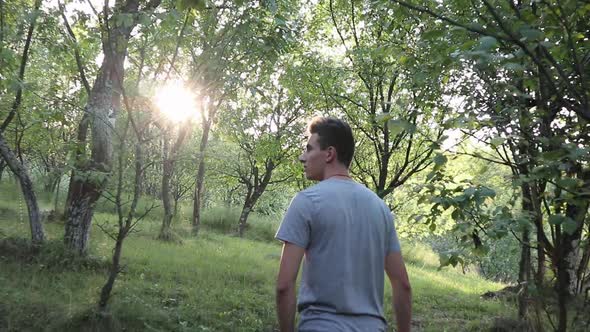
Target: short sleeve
392,240
295,227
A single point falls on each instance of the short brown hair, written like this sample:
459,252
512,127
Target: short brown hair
334,132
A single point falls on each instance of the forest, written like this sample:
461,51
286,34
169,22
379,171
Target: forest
149,150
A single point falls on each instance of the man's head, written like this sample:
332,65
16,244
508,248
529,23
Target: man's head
330,147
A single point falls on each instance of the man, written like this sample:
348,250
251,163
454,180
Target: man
347,235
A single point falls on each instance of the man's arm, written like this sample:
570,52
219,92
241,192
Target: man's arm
402,292
285,293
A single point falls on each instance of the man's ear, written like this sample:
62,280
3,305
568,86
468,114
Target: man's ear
332,154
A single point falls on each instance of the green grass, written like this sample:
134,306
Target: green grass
215,282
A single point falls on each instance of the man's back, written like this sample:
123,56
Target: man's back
347,231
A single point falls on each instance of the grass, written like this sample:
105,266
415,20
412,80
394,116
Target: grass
215,282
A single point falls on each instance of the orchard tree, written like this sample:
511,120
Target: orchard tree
379,83
526,87
91,173
15,161
230,44
266,124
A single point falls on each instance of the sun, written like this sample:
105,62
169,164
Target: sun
176,102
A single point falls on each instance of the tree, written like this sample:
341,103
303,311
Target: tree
380,86
126,220
266,126
101,110
173,138
232,44
17,166
531,100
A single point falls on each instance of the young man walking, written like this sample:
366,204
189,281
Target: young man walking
347,236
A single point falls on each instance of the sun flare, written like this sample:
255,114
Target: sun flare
176,102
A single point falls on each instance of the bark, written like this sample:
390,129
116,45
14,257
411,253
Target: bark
80,153
170,157
20,171
246,209
524,268
532,195
568,260
2,167
57,190
540,273
105,293
104,102
198,193
255,190
166,200
583,273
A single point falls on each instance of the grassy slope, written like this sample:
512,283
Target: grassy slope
213,283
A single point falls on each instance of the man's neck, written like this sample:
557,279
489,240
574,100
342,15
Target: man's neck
337,173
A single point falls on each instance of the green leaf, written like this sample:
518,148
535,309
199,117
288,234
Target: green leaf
577,153
475,26
398,126
486,192
431,175
487,43
443,260
280,21
383,117
432,227
469,191
553,155
557,219
192,4
532,34
272,6
481,251
569,226
567,182
440,159
497,141
513,66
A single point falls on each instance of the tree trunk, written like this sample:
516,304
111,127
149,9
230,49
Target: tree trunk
562,294
102,108
2,167
165,233
243,223
198,193
251,198
105,293
197,196
540,273
57,190
89,180
568,261
170,156
20,171
80,212
80,153
524,271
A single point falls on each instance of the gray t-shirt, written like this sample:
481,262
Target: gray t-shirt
346,231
